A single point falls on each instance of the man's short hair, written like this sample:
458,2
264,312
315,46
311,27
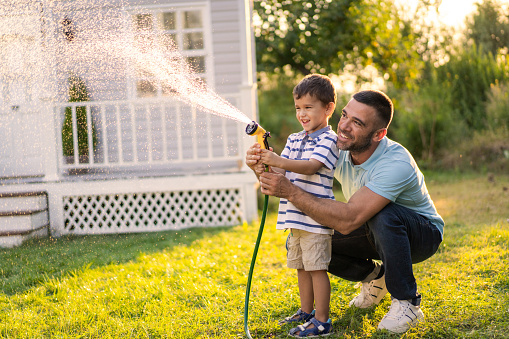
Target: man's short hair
318,86
380,102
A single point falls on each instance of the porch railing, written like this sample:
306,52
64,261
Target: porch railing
153,133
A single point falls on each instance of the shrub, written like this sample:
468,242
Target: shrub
425,119
469,76
77,93
497,106
486,151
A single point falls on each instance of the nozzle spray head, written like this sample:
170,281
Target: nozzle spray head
254,129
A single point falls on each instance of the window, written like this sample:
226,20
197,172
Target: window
179,33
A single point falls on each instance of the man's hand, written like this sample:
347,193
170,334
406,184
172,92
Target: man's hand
253,156
275,184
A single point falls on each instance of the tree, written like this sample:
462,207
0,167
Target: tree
326,36
488,27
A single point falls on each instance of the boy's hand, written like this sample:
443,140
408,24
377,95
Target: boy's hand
270,158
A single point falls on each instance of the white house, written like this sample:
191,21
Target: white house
144,157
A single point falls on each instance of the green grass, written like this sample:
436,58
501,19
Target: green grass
191,283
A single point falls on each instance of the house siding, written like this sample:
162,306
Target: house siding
225,20
110,81
225,16
158,152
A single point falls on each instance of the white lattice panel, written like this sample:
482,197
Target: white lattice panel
151,211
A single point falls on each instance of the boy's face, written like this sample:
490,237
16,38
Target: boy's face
312,114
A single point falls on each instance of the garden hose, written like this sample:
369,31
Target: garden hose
254,129
253,260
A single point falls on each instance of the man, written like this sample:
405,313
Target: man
389,215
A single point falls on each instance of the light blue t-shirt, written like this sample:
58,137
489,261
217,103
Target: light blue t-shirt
391,172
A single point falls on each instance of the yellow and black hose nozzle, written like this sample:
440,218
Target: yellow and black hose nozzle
255,129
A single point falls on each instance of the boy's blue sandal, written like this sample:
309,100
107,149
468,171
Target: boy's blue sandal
299,317
320,329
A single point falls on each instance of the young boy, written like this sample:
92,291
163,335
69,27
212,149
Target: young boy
309,160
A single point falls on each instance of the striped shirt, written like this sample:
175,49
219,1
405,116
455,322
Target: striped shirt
321,146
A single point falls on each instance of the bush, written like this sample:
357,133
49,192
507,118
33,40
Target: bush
497,106
77,93
468,77
449,104
485,151
426,120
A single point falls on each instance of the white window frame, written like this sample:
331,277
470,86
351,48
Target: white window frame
206,52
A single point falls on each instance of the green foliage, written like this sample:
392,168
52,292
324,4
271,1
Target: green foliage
488,26
425,118
449,104
497,106
77,93
191,283
445,93
481,151
469,75
327,36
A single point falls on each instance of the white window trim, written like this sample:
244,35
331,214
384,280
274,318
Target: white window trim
204,7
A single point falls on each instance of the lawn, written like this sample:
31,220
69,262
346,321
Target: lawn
191,283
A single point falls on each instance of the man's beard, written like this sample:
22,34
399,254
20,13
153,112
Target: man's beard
358,146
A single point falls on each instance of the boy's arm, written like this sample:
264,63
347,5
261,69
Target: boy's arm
306,167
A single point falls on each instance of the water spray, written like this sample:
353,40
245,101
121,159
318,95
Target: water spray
256,130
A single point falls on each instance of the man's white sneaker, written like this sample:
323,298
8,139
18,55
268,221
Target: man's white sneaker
371,293
401,316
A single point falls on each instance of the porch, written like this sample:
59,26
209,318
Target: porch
141,165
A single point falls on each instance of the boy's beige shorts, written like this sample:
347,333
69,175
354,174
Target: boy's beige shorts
308,251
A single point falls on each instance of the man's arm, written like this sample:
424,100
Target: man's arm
342,217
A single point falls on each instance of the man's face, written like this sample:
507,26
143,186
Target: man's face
357,127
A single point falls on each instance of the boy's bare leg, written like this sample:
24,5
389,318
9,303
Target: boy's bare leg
320,285
321,288
305,291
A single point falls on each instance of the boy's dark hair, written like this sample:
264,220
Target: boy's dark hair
380,102
318,86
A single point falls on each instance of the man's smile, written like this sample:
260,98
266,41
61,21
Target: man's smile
344,135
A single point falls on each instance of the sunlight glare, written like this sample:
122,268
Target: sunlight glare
451,12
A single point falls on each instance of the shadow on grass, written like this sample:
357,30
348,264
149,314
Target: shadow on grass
349,324
37,260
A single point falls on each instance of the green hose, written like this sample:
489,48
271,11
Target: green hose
253,260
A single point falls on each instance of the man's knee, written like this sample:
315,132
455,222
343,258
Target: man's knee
379,224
